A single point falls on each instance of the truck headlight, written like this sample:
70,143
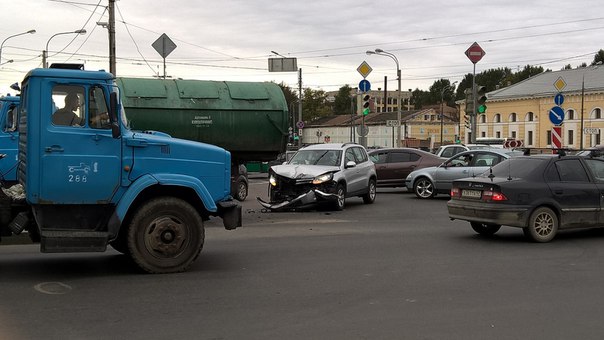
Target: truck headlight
272,180
322,178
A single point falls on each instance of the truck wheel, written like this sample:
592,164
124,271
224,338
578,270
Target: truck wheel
165,236
241,190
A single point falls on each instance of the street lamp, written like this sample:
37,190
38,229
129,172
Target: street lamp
442,114
379,51
45,52
12,36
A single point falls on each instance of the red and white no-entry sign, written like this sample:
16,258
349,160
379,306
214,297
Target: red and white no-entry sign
475,53
556,137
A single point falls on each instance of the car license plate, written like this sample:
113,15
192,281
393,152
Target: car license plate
471,193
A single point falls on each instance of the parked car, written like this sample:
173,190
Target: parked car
540,194
428,182
392,165
448,151
322,173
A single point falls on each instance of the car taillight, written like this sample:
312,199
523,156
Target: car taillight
455,192
489,195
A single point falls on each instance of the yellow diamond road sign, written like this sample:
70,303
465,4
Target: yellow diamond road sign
559,84
364,69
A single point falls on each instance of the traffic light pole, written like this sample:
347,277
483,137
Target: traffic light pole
473,130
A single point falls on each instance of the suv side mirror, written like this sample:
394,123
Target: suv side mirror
350,164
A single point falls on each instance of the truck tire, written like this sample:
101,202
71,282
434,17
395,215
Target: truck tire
165,235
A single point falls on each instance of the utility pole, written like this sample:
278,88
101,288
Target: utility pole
111,30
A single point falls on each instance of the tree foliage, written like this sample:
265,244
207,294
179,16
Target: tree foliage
341,104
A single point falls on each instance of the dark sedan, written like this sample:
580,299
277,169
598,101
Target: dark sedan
540,194
394,164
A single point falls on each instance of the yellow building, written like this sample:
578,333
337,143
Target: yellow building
522,111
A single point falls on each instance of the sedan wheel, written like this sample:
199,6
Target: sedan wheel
543,225
485,228
423,188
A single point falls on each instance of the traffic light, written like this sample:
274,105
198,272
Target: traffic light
466,121
481,98
469,102
366,104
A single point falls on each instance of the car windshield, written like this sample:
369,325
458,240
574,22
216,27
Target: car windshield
516,167
317,157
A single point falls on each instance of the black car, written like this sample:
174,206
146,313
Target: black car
393,165
540,194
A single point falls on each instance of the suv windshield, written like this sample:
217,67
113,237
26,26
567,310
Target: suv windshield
317,157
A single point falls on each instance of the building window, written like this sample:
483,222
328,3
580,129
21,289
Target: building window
530,117
497,118
498,134
598,140
549,137
570,114
483,119
571,137
530,138
597,113
483,134
512,117
426,117
514,134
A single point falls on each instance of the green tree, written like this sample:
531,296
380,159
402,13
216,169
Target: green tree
314,105
598,58
342,101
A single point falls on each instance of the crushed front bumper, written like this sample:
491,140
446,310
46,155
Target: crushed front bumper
311,197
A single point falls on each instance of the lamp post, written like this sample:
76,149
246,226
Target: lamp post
12,36
442,114
45,52
379,51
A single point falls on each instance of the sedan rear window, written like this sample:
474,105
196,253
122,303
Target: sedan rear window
518,167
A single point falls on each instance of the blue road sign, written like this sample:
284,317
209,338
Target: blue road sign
559,99
556,115
364,85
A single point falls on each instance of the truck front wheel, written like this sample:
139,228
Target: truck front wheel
165,236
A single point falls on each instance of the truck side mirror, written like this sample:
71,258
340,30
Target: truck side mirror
115,127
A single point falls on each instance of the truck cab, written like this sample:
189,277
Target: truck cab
91,181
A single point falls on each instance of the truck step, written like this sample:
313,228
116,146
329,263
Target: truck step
68,241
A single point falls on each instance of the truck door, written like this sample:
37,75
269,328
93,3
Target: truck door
80,159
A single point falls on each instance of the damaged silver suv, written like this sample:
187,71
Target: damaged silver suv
322,173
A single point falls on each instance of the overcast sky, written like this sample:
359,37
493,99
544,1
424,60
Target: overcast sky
233,39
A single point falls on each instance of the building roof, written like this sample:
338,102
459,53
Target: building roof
542,85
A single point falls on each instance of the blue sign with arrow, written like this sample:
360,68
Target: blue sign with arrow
559,99
556,115
364,85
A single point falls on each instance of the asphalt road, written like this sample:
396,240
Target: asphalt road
397,269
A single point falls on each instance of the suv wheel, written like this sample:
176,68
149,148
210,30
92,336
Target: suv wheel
369,197
340,202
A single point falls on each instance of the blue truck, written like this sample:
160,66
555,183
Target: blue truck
89,181
9,138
